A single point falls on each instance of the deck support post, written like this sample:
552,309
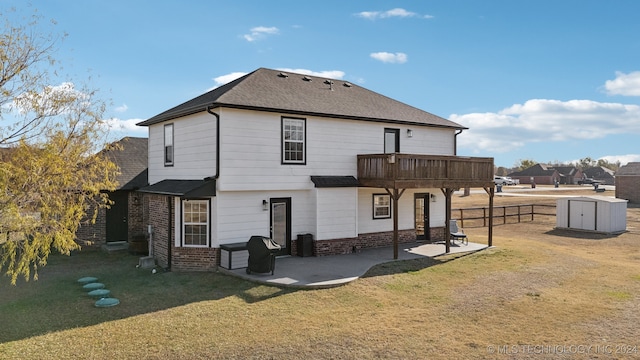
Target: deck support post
395,196
447,218
490,191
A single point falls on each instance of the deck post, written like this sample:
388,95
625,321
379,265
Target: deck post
395,196
447,219
490,191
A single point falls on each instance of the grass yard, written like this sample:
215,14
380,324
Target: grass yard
539,293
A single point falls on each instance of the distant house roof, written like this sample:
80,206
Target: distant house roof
131,157
535,170
632,168
276,91
599,172
546,170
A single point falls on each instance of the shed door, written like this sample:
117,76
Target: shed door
582,214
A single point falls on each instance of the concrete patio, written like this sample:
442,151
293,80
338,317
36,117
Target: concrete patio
336,270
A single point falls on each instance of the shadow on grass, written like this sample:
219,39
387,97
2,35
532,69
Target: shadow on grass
58,302
585,235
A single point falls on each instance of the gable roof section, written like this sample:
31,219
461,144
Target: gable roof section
598,172
632,169
131,158
275,91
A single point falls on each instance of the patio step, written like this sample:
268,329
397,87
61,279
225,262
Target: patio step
115,246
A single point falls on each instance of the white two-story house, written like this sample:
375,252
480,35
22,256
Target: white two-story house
282,154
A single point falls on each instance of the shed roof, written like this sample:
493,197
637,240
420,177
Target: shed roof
600,198
276,91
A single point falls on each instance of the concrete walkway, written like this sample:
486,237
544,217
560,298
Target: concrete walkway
336,270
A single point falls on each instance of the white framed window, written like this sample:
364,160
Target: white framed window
381,206
195,223
168,145
294,141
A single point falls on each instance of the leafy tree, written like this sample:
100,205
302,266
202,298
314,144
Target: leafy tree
586,163
50,177
524,164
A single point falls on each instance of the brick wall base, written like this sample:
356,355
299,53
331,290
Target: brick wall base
366,241
195,259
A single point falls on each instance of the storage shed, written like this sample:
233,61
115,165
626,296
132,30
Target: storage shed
601,214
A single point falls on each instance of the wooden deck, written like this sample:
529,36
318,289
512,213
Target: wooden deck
407,171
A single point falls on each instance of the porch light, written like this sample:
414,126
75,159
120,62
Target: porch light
433,197
409,133
265,205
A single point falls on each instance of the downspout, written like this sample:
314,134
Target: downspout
455,142
217,175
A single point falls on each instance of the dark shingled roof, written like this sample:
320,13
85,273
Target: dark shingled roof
184,188
632,168
334,181
274,91
130,156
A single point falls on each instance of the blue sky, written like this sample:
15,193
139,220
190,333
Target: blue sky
547,80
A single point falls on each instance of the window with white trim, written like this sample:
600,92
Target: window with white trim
168,145
381,206
195,223
293,141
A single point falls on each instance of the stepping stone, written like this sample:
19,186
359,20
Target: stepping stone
107,302
87,279
99,293
93,286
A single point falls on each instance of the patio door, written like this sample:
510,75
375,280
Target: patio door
281,224
422,225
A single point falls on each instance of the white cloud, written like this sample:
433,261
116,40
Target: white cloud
122,108
542,120
223,79
624,159
386,57
397,12
128,126
624,84
260,32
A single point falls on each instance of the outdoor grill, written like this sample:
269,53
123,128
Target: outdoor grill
262,254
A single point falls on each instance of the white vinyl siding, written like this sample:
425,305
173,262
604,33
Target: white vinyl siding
194,149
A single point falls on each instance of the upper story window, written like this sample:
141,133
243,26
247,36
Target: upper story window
294,141
195,224
391,141
168,145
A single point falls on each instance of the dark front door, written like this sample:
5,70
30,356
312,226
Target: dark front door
422,225
281,224
117,217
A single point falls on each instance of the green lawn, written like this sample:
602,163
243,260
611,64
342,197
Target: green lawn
536,288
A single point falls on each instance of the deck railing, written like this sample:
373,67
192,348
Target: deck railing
411,168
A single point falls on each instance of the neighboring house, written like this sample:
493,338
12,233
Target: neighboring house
602,174
628,182
124,219
282,155
547,175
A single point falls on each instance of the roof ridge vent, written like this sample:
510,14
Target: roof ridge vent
306,78
283,75
347,84
330,83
